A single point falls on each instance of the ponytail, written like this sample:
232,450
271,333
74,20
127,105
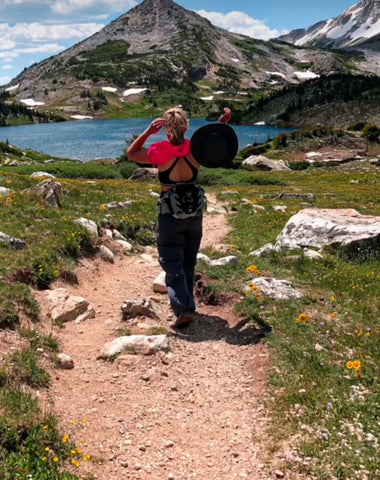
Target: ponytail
176,124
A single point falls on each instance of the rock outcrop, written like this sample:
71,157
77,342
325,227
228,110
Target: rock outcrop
339,228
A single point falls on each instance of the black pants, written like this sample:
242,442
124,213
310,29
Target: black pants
178,242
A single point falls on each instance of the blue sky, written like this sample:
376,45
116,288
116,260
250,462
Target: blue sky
32,30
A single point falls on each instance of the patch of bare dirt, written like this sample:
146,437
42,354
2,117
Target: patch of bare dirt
195,412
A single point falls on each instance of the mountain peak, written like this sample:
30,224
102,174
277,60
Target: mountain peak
356,26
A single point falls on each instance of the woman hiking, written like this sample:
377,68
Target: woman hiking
180,207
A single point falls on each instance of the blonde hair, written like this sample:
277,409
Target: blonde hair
176,124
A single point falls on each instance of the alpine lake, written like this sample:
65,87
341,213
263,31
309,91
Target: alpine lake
87,140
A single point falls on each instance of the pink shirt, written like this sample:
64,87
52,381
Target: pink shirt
161,152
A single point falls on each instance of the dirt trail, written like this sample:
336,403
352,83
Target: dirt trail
193,413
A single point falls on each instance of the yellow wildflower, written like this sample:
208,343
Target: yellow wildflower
356,364
302,318
252,269
350,365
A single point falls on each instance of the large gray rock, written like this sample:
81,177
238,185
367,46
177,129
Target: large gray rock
49,190
41,175
274,288
15,243
222,262
314,227
263,163
90,226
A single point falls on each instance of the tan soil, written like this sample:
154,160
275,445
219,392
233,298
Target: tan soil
193,413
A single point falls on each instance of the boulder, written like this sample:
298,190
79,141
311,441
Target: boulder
276,289
90,226
15,243
222,262
64,307
144,344
41,175
137,308
49,190
263,163
339,228
106,254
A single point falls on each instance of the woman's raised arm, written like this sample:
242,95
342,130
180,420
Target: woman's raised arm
136,151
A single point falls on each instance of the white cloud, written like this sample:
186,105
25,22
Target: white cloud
38,38
7,67
240,22
4,80
48,9
44,32
43,48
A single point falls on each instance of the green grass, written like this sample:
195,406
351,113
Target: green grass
31,446
318,405
324,410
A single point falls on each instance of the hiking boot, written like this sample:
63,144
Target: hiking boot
183,319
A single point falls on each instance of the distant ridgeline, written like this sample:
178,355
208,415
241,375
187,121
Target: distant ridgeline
358,97
15,113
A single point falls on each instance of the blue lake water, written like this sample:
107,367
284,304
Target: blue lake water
91,139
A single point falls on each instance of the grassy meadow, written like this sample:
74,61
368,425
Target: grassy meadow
324,392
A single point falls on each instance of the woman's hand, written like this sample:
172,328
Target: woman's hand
226,116
136,152
155,126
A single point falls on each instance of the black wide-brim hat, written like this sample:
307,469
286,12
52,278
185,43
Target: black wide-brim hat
215,145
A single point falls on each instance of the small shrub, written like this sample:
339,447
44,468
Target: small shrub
371,133
280,141
126,169
357,127
24,368
44,271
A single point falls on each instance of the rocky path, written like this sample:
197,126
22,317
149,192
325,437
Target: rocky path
193,413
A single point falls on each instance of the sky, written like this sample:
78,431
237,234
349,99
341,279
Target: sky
32,30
